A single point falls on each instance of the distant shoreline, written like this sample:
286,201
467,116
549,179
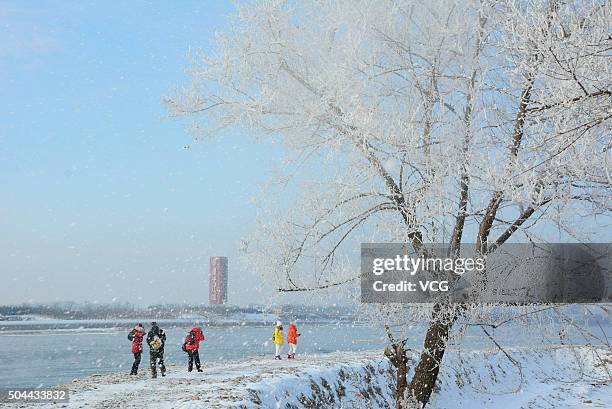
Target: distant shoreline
54,324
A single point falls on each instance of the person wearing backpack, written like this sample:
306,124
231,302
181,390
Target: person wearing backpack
136,335
192,346
278,339
156,339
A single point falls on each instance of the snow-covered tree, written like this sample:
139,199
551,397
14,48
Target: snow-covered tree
441,121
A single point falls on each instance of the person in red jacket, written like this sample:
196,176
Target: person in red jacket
136,335
292,336
192,345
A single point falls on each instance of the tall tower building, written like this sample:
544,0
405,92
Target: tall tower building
217,281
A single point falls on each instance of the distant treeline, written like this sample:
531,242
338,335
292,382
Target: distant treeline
75,311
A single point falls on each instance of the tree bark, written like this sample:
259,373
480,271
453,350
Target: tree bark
426,372
397,355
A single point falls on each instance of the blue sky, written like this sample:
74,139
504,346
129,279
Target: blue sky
100,199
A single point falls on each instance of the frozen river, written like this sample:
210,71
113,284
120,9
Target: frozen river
46,357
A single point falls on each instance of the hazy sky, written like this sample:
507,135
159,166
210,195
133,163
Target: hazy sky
100,200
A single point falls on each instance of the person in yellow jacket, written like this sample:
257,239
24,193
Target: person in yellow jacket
278,339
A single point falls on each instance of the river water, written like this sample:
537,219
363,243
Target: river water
46,357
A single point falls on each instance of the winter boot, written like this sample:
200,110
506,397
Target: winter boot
289,356
278,357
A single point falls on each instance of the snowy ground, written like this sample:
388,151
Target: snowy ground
557,377
563,377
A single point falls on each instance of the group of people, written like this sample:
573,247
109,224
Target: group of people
156,340
292,339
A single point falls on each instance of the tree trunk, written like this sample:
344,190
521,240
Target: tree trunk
426,372
402,382
397,355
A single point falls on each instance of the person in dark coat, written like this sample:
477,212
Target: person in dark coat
136,335
156,339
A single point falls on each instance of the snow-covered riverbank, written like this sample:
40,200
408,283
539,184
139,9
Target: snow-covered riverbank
563,377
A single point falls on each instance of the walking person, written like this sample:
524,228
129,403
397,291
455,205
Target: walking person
192,346
278,339
292,338
136,335
156,339
562,335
